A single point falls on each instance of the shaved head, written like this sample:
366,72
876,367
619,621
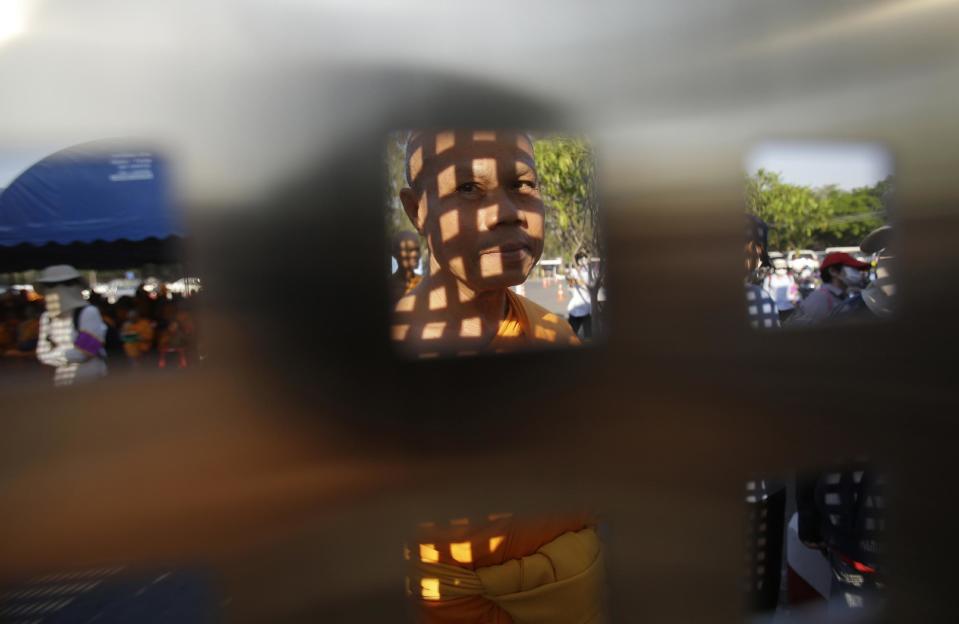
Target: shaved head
422,145
402,237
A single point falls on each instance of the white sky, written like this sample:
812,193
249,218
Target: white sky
14,161
847,165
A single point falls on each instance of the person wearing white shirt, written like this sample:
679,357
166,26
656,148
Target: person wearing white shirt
72,331
782,287
579,308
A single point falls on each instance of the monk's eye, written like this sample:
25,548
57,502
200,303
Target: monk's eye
468,187
525,186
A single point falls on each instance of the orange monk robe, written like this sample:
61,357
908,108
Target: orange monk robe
470,545
400,286
529,325
412,283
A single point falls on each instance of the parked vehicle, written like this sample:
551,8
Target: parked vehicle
800,259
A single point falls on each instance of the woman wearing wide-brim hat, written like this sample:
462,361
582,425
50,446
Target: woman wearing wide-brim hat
71,330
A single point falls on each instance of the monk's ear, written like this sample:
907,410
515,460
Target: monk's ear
411,205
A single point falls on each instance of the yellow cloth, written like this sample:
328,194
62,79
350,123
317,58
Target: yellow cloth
144,331
561,583
412,283
400,286
530,325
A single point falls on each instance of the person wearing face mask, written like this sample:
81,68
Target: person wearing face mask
72,332
877,300
842,275
782,287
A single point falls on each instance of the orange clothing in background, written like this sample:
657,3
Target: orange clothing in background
177,334
400,286
28,330
412,283
8,336
137,337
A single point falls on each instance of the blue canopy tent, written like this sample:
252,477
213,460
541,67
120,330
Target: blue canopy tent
98,205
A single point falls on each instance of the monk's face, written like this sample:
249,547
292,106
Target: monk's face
475,197
408,254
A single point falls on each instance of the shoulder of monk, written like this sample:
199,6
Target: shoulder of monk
546,326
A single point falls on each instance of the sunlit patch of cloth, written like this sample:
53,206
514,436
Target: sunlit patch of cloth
530,325
560,583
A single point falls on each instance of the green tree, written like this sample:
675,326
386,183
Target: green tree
566,180
802,217
852,214
793,212
395,160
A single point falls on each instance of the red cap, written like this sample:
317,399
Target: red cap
839,257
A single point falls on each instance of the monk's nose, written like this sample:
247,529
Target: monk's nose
504,212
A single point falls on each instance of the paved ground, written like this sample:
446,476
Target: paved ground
552,295
112,596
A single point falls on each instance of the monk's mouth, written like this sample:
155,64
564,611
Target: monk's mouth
509,252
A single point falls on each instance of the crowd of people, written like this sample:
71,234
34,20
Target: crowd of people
150,329
843,288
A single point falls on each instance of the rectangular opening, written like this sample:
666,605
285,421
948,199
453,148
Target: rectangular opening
95,282
497,566
820,246
495,242
814,544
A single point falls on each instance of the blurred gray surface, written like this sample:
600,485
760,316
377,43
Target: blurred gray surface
299,461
